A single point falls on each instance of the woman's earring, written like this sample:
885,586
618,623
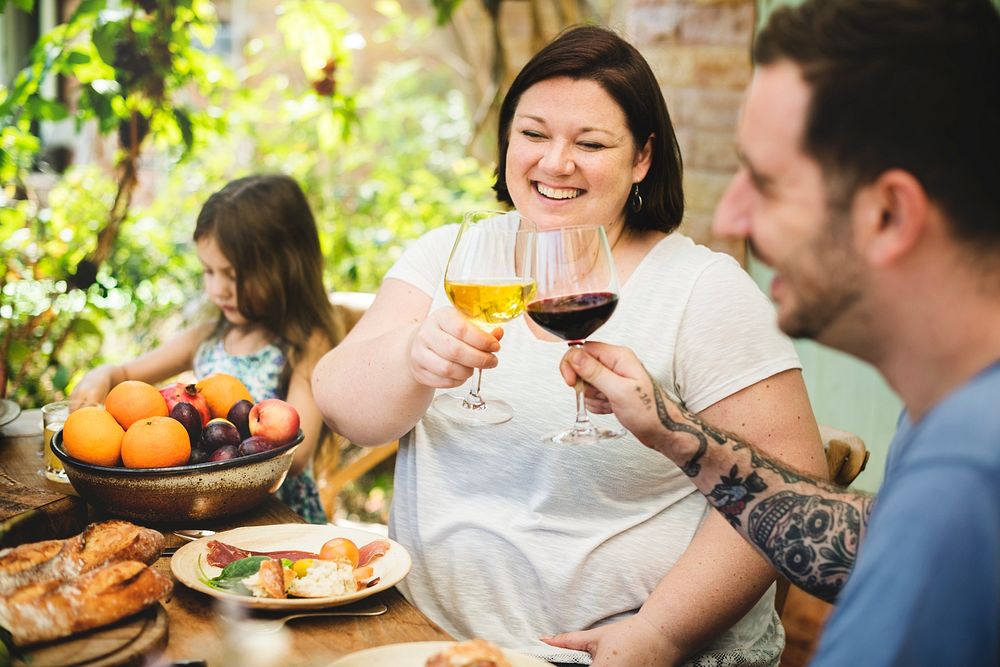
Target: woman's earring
636,198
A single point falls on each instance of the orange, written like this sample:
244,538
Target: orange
156,442
133,400
222,392
93,436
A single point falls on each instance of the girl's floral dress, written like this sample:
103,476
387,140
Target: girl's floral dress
261,372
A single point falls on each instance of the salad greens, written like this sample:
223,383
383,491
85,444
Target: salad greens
232,576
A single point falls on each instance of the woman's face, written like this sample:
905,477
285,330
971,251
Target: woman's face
220,279
571,159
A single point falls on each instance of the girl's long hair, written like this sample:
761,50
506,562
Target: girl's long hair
265,228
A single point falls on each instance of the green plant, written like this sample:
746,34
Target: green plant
93,275
130,68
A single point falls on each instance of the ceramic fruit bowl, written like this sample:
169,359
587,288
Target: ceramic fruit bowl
194,492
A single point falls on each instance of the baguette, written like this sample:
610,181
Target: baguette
53,609
59,560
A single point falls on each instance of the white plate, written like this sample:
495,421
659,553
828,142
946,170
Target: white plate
9,410
415,654
390,568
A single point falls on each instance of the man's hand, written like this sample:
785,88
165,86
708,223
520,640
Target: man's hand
633,642
617,382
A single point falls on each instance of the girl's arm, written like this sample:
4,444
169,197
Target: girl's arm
720,576
376,384
174,356
300,396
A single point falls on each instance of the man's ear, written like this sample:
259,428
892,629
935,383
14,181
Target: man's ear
890,217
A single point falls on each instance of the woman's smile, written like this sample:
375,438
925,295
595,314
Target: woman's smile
551,192
571,158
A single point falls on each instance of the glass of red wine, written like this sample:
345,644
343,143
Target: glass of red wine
576,291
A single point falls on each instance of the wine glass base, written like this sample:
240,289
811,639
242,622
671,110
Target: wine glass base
456,408
588,436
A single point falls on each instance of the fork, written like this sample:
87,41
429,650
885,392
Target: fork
269,625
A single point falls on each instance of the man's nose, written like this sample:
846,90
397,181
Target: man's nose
732,214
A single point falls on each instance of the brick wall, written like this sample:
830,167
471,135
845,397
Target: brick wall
700,53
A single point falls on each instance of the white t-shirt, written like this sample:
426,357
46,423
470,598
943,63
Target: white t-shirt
513,538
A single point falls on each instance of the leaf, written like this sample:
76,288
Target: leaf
445,9
232,576
24,5
87,7
99,103
77,58
43,109
184,125
83,328
104,37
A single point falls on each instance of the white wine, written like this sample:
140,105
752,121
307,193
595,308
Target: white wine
490,301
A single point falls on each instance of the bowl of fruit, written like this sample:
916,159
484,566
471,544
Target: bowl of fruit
180,453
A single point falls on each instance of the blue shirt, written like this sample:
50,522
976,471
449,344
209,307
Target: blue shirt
926,586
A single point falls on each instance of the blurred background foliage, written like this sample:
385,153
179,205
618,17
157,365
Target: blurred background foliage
98,263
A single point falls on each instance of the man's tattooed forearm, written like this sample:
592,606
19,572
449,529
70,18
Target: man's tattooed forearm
786,475
692,467
810,539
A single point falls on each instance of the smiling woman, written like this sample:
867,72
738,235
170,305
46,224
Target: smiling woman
584,139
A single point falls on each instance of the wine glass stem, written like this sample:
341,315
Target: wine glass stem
473,401
582,418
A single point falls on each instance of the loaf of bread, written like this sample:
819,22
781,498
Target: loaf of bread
52,609
472,653
59,560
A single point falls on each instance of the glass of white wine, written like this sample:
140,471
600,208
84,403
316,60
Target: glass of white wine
486,280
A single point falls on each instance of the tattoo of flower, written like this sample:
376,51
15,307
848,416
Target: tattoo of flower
733,493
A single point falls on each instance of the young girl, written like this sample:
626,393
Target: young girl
263,268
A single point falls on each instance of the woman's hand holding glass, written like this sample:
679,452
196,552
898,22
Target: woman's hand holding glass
446,349
486,281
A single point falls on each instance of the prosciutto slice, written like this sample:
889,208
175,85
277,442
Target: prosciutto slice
221,554
371,551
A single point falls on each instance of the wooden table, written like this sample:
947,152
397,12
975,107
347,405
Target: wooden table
195,626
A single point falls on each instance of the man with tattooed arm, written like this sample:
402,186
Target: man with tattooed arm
869,142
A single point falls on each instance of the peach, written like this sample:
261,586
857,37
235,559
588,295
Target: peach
274,420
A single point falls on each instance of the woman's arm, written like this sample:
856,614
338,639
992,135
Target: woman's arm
375,385
173,357
719,577
300,396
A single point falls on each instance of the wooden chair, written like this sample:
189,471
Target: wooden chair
802,614
337,463
846,454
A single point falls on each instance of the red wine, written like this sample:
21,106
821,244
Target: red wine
573,317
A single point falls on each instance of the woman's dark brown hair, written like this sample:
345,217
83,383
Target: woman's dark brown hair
598,54
265,228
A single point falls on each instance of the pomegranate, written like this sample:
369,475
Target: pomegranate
178,392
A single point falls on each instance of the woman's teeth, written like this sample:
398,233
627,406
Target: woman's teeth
557,193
